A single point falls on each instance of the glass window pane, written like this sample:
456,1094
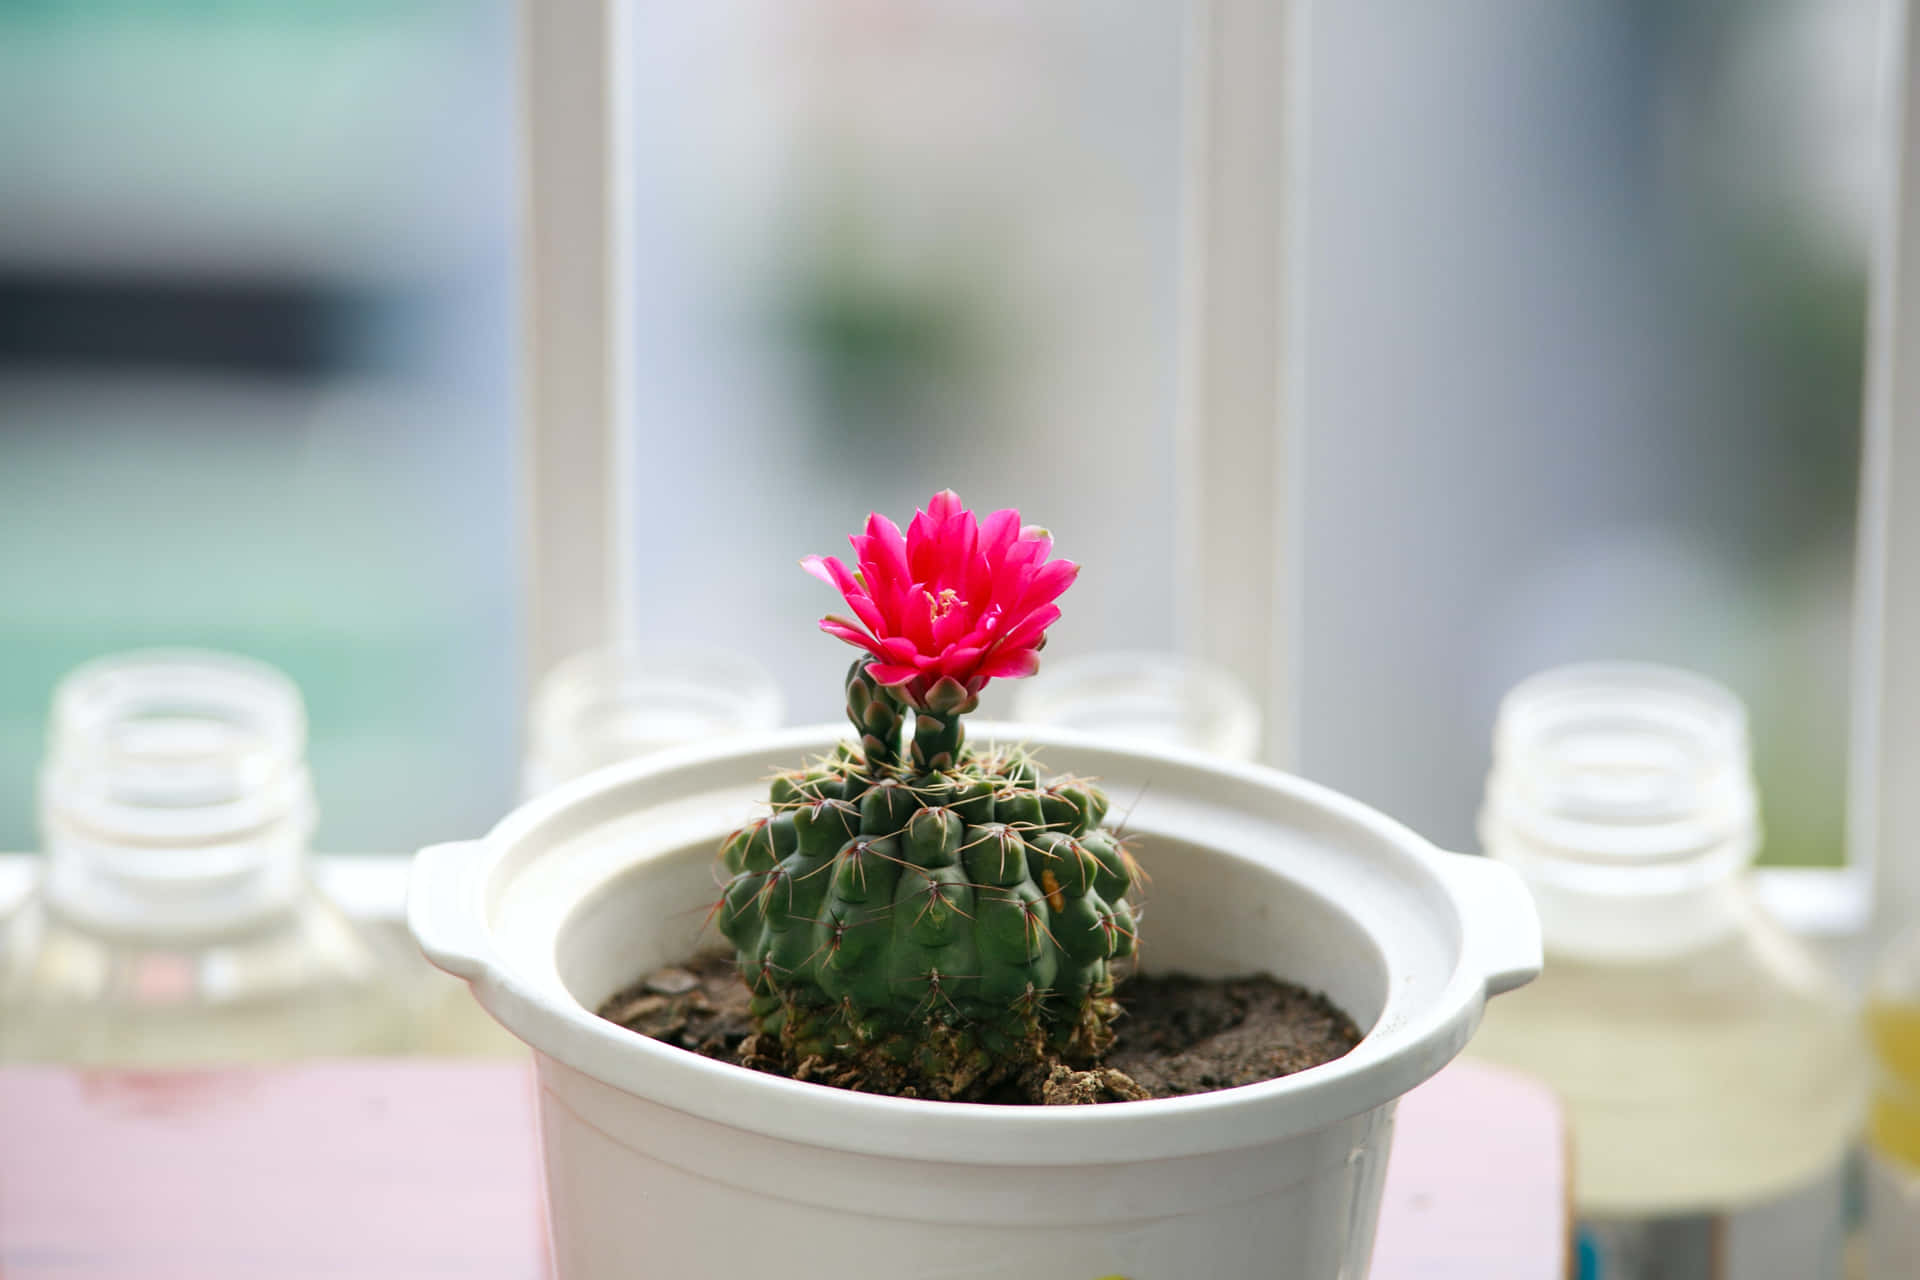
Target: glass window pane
889,249
1586,302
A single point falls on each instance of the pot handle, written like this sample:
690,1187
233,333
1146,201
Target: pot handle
444,911
1500,928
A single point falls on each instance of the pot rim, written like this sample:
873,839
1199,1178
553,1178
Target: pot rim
1498,947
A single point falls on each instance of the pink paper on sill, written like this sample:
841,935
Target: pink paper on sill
1477,1182
407,1169
372,1169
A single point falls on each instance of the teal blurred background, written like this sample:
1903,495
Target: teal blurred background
1582,301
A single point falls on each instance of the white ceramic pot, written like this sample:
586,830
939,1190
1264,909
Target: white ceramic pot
664,1163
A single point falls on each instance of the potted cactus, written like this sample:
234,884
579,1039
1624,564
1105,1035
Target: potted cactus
923,916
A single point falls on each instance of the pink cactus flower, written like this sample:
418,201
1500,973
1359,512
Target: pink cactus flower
957,598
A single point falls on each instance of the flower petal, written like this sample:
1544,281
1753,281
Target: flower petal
836,575
977,584
817,566
888,674
841,629
883,554
962,658
887,546
957,544
869,613
997,533
948,629
1011,662
881,588
1027,632
1048,581
897,650
923,547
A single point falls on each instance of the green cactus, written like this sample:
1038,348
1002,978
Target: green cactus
935,922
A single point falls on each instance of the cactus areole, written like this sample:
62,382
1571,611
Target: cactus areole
917,916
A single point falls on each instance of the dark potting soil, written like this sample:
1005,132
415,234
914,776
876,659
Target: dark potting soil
1178,1036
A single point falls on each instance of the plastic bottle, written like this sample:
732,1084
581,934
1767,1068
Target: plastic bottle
602,706
174,921
1712,1070
1160,699
593,709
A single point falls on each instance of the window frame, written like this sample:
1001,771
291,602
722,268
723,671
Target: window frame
576,198
1237,508
1881,883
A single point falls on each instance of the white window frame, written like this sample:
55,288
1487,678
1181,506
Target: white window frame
1237,511
1882,881
577,224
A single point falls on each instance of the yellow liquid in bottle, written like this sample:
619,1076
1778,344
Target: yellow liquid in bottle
1893,1120
1892,1236
1704,1082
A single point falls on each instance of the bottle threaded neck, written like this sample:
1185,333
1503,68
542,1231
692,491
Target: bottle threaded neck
604,706
174,789
1624,793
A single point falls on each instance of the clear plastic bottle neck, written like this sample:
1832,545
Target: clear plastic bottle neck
1624,794
174,795
604,706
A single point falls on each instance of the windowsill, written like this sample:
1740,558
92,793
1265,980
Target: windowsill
1818,902
371,886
